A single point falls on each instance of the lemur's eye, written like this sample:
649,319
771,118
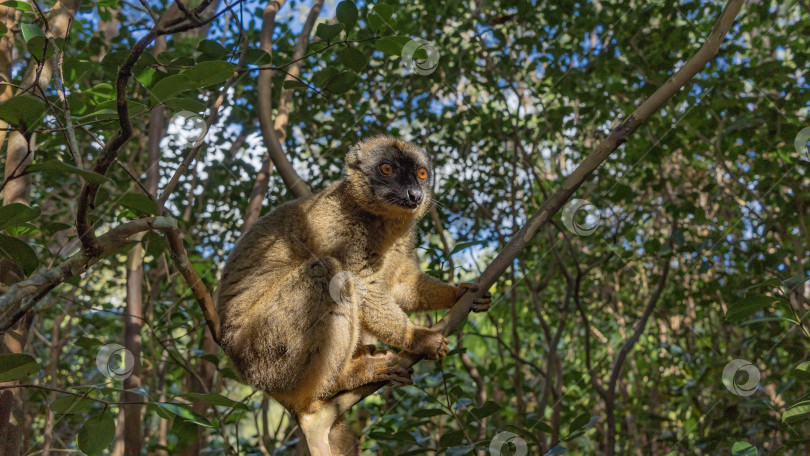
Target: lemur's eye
386,169
421,173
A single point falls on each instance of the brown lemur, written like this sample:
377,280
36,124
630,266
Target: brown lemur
308,280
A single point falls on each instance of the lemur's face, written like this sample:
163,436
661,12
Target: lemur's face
400,179
398,174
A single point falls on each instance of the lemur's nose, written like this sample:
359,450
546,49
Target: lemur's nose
415,195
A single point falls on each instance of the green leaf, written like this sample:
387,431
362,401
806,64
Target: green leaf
579,422
217,399
171,86
464,245
257,57
184,413
375,22
14,366
138,202
25,229
16,214
797,279
353,58
114,59
134,107
390,45
802,370
773,282
342,83
186,431
55,227
209,73
30,31
541,426
346,13
96,434
486,410
185,104
58,167
327,32
294,84
35,41
451,438
3,29
100,114
797,412
211,48
428,413
23,111
19,253
743,449
17,5
71,405
146,76
385,10
741,310
400,436
322,77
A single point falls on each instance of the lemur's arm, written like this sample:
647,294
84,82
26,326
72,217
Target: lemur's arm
416,291
381,316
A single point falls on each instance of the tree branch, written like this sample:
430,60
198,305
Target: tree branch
271,128
109,153
610,392
458,314
23,295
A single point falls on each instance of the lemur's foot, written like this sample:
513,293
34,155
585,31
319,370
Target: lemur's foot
387,369
429,344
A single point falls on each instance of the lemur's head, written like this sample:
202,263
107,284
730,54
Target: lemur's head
390,177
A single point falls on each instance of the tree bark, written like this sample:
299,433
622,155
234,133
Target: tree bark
274,129
133,323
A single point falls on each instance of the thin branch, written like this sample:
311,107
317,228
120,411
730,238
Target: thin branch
83,396
458,314
22,296
610,391
273,127
163,26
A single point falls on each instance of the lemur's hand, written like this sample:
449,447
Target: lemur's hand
480,304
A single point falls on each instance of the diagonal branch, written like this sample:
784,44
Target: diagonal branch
458,314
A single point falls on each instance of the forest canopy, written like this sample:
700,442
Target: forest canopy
629,179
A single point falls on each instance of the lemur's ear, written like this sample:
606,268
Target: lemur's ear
355,155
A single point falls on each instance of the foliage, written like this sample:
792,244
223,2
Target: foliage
521,91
